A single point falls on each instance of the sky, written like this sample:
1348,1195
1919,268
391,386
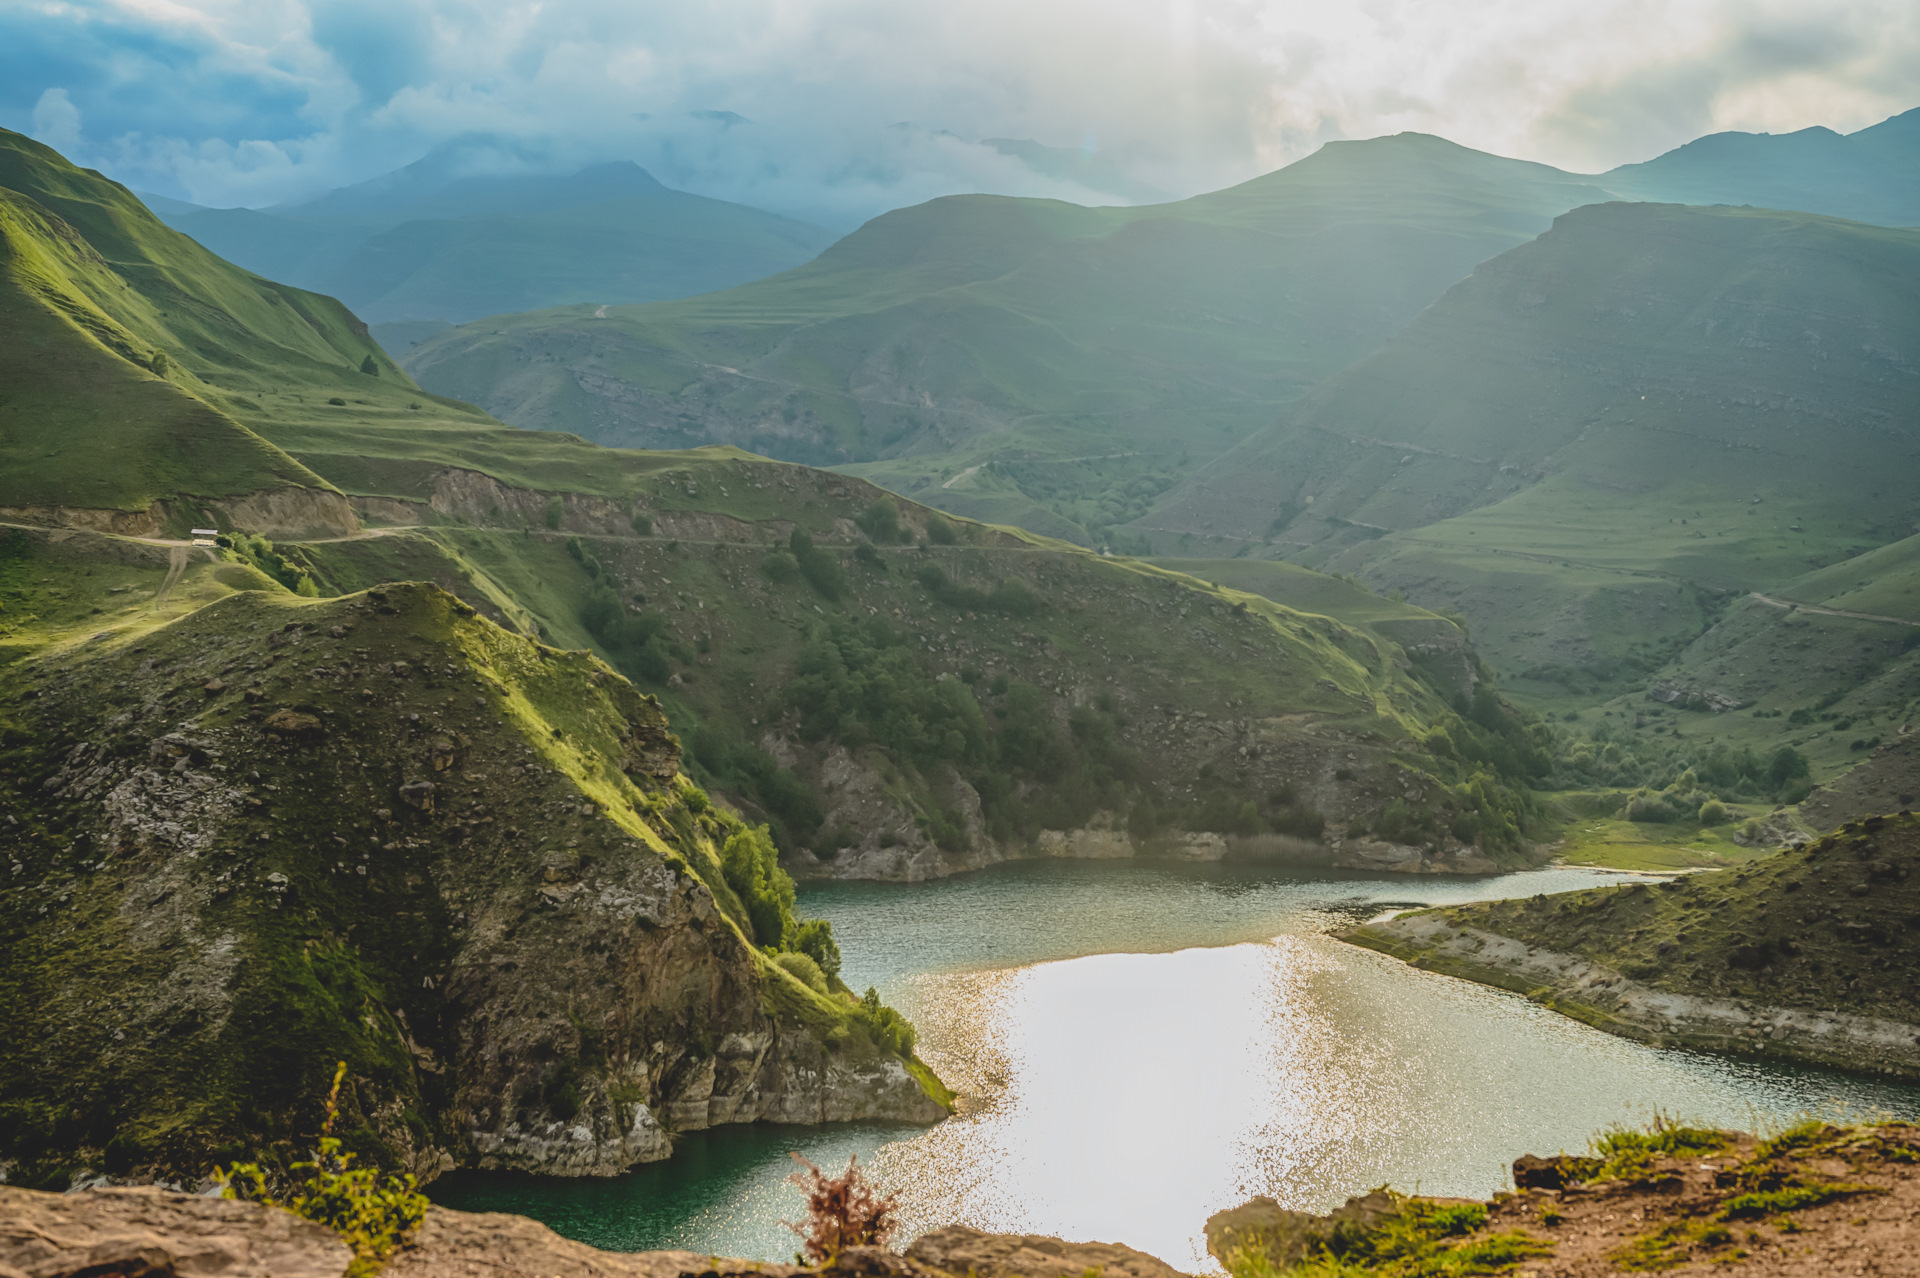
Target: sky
836,110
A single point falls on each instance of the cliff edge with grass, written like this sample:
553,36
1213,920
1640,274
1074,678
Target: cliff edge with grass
1810,956
274,833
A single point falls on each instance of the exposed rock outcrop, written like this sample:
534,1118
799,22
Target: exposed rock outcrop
149,1233
458,859
275,512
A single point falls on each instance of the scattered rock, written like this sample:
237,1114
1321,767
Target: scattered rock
214,687
294,726
418,794
1533,1172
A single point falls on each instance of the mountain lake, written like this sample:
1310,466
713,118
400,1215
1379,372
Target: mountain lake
1138,1045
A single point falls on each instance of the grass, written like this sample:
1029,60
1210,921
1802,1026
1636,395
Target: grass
146,368
1633,845
1795,929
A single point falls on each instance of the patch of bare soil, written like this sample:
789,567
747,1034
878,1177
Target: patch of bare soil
1826,1201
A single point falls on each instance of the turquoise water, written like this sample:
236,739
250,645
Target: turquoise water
1138,1046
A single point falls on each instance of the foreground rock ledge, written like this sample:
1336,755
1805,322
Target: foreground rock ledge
150,1233
1829,1201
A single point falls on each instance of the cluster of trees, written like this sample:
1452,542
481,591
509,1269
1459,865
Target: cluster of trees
1010,597
862,684
1602,757
254,549
802,558
750,864
639,641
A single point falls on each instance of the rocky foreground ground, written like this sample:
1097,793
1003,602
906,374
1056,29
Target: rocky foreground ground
1816,1200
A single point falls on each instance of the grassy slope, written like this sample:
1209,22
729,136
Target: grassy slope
85,421
1308,671
1594,444
980,327
250,351
1828,926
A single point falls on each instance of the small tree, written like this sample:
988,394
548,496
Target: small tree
843,1211
373,1212
370,368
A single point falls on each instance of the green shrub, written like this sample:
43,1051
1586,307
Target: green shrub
555,509
780,568
370,368
337,402
1713,812
940,530
1011,597
803,969
814,938
881,522
887,1027
751,867
821,569
373,1212
642,524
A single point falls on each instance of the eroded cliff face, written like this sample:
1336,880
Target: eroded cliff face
280,833
274,512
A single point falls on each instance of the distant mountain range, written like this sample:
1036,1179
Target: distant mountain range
1058,366
427,243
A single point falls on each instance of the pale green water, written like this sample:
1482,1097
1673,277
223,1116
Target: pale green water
1139,1046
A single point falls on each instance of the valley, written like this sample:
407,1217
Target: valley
1100,711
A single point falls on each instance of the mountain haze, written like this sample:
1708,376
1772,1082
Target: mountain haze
980,329
428,243
1592,440
1869,176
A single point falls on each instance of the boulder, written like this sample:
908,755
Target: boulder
960,1250
291,725
1262,1227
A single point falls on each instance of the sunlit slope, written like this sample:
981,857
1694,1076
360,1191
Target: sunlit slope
90,416
100,288
1872,175
467,247
975,327
1586,443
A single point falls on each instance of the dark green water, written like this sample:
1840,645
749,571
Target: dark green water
1140,1045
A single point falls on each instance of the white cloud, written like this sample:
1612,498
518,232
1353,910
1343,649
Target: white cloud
229,101
56,120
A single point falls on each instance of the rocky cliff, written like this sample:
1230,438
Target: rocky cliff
277,833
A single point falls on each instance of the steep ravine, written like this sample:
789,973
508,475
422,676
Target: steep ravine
278,833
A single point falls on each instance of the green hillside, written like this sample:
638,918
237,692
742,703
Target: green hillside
457,249
89,416
146,369
1027,360
1587,444
1869,176
1733,961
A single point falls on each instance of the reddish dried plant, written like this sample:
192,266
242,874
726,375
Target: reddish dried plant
843,1211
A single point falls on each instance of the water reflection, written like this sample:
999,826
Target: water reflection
1121,1084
